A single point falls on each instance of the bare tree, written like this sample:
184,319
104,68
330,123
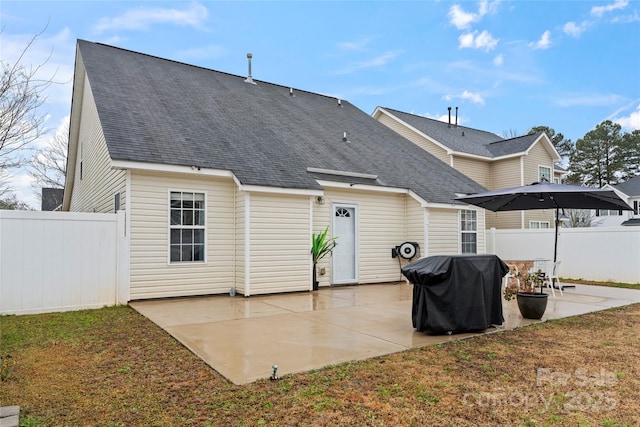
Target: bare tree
49,164
575,218
510,133
12,203
22,94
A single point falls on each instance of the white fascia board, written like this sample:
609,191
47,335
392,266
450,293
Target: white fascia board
414,196
342,173
276,190
362,187
280,190
407,125
452,206
160,167
489,159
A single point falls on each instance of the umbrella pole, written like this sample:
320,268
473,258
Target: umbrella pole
555,246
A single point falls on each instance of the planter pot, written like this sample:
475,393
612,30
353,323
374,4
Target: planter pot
532,306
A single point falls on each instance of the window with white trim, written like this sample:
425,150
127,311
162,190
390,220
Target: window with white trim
469,231
636,207
608,212
544,172
538,224
187,227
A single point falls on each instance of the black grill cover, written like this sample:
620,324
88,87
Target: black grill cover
456,293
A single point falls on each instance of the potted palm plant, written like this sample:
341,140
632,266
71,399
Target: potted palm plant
527,288
321,246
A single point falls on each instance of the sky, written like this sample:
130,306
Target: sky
507,65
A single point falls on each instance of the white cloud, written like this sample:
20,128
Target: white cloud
586,100
543,43
484,40
627,19
475,98
498,60
632,121
143,17
617,5
378,61
462,19
355,45
574,30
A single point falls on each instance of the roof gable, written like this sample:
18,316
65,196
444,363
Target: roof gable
466,140
631,187
160,111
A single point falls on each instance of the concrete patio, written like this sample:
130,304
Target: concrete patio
242,338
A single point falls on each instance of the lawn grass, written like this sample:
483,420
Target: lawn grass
113,367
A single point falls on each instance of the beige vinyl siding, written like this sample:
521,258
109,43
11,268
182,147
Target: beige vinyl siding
240,197
414,137
477,170
415,223
443,232
280,243
504,173
481,231
321,220
151,274
538,156
95,191
382,225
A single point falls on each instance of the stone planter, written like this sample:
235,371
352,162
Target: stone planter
532,306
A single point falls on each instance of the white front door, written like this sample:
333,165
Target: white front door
344,255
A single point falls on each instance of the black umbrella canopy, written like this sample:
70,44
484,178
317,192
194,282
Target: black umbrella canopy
545,195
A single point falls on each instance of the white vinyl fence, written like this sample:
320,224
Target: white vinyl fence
594,253
60,261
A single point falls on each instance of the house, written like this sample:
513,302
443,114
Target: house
224,178
629,191
51,199
488,159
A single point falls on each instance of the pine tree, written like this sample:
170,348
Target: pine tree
599,157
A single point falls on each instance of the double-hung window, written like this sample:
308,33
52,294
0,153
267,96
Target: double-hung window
608,212
538,224
469,231
187,227
544,172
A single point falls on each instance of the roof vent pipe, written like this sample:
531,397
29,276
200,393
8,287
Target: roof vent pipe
339,103
344,137
449,108
456,116
291,91
249,79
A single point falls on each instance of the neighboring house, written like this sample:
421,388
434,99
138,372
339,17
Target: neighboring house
223,179
629,191
488,159
52,199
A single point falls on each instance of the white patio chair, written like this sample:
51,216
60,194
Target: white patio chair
540,267
553,278
513,273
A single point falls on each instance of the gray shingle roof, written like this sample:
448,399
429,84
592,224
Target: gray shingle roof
464,139
161,111
631,187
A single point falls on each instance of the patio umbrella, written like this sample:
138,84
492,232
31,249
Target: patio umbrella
545,195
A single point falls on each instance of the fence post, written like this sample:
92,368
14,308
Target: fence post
491,241
123,261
